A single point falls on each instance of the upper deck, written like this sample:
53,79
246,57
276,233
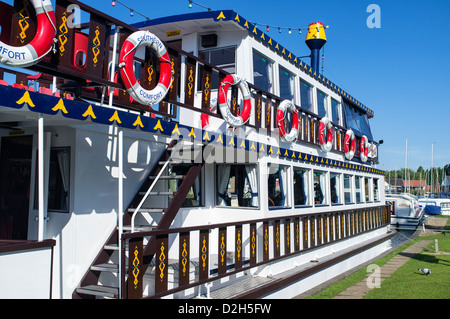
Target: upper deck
203,49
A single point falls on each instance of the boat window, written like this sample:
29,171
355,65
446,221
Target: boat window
321,104
287,90
58,181
306,95
262,72
376,194
301,187
335,188
358,189
278,186
335,105
194,196
367,189
320,190
356,120
348,189
224,58
237,185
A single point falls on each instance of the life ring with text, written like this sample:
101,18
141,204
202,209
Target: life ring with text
284,106
126,65
42,42
325,142
364,148
349,144
224,105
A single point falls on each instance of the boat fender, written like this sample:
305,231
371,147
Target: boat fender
284,106
126,65
224,105
349,144
325,142
42,43
364,148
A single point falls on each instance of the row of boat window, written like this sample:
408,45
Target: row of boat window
239,186
310,98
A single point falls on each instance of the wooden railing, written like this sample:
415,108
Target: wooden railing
188,91
238,246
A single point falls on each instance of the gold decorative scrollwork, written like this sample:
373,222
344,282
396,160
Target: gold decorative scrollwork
277,236
172,63
222,248
253,242
258,109
96,48
191,81
184,255
150,73
238,244
136,266
24,18
204,252
206,91
288,235
162,261
266,239
64,30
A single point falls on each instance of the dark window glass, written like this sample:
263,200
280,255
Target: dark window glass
305,95
262,72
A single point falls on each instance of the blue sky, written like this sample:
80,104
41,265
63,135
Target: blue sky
401,70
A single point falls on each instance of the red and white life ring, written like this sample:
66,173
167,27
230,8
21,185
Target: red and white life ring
349,144
41,44
281,114
364,148
224,105
325,143
126,65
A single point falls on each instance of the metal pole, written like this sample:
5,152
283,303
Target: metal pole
113,66
120,162
41,220
120,207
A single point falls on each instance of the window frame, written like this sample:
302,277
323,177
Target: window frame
309,193
271,72
338,112
339,185
359,190
67,149
351,188
215,74
326,193
289,182
216,187
325,103
311,95
291,82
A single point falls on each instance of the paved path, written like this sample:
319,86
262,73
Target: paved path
359,290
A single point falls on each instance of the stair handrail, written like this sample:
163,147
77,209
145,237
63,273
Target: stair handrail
174,151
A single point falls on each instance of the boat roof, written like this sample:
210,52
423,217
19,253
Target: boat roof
203,21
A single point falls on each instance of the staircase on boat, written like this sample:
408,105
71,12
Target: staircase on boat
168,187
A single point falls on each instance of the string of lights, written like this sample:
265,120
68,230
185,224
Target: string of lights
132,11
268,26
192,3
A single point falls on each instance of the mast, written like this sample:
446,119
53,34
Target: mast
431,172
406,166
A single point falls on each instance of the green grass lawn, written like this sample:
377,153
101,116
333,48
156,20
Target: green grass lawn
407,282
